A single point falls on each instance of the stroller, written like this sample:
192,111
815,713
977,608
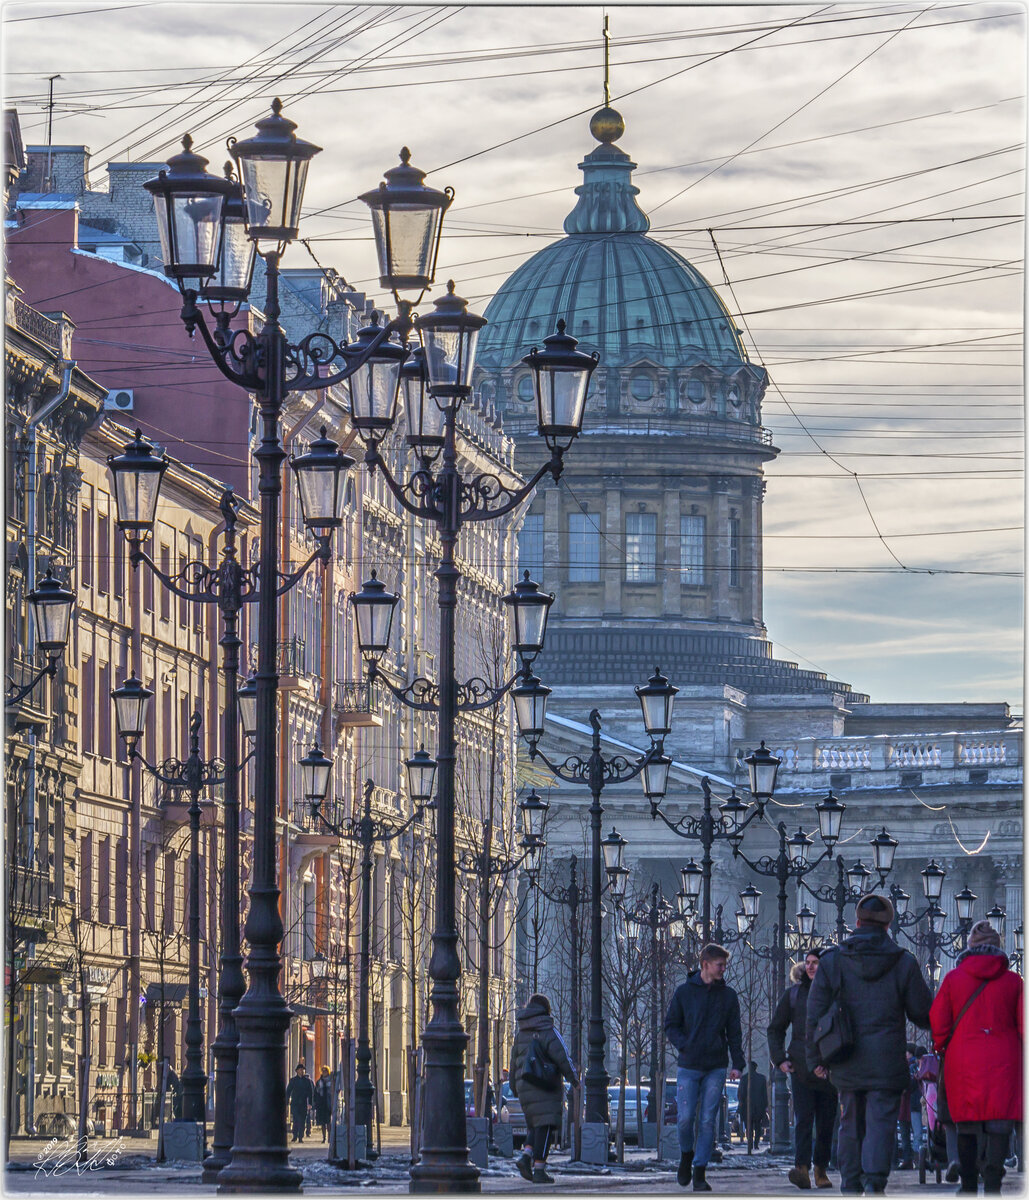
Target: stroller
932,1154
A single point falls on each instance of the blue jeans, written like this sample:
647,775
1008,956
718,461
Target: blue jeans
698,1090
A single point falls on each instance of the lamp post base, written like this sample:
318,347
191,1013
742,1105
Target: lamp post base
781,1142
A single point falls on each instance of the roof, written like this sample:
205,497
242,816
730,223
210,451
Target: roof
620,292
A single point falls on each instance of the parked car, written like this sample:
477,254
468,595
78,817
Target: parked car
469,1098
613,1098
513,1105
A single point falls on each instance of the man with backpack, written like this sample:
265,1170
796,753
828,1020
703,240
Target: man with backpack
703,1024
860,997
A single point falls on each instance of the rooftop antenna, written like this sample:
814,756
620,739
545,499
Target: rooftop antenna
49,184
607,63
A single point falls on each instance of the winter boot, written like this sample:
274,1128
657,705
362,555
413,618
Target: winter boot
684,1173
821,1179
992,1177
700,1184
540,1175
524,1165
799,1177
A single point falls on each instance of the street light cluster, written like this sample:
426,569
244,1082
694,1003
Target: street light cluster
211,229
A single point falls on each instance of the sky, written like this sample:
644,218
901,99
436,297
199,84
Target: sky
849,176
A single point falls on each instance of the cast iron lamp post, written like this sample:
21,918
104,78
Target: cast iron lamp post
791,862
596,772
51,605
852,882
572,895
707,829
194,774
137,474
316,771
208,242
451,499
933,939
485,866
1016,958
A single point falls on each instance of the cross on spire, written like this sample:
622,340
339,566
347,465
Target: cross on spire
607,63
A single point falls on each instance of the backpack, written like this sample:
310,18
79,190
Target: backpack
538,1070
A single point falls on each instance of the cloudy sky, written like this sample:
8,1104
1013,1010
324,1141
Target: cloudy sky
859,166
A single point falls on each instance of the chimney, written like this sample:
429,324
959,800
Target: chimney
62,169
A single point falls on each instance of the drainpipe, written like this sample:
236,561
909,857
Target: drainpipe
34,421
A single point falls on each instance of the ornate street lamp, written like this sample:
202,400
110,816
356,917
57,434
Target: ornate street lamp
901,900
315,773
529,608
137,474
806,922
763,767
407,219
830,818
319,966
425,423
534,815
654,777
51,604
613,847
321,476
246,698
932,881
692,879
188,202
884,849
530,701
750,898
798,847
229,287
656,698
561,377
858,876
375,388
421,775
449,336
998,918
273,170
965,904
131,702
373,609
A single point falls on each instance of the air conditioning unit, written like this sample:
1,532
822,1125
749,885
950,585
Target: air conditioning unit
119,400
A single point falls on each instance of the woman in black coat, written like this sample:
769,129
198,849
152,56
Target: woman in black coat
543,1107
814,1097
323,1101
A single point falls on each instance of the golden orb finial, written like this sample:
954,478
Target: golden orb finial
607,125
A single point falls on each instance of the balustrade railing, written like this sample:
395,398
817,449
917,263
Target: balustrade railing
29,896
885,752
351,696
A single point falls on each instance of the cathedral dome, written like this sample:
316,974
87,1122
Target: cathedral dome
620,292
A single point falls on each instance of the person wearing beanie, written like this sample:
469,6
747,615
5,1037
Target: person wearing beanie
982,1065
880,987
814,1097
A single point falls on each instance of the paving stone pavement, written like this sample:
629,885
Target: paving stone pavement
134,1172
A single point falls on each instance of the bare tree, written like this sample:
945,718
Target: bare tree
626,976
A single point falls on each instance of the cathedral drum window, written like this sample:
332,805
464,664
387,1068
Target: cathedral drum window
695,391
642,386
524,389
734,396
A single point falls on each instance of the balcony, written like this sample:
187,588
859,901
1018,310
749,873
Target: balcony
33,710
312,830
290,664
29,898
353,703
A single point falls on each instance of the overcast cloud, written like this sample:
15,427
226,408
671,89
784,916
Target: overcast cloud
861,167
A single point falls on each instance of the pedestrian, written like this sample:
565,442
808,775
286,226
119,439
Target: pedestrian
752,1104
538,1050
878,986
814,1097
323,1101
299,1097
703,1024
977,1028
908,1126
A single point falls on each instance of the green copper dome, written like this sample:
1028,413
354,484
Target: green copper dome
621,292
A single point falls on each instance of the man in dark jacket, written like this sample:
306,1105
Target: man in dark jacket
299,1097
703,1024
814,1097
752,1103
879,985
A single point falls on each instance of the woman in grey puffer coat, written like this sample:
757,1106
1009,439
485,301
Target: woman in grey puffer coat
543,1108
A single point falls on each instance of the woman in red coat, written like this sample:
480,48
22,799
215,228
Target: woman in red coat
983,1062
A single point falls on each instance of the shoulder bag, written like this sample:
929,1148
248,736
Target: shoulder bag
834,1032
942,1111
538,1069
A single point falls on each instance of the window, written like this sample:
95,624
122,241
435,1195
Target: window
641,547
88,712
148,591
526,391
165,593
695,391
183,604
105,706
642,385
86,877
530,546
103,880
86,539
734,552
103,547
583,548
691,538
120,560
